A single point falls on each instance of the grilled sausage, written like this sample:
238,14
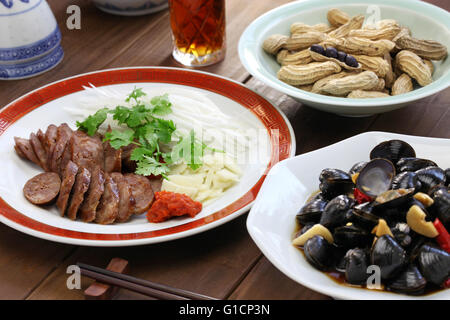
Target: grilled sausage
50,138
127,202
128,165
39,151
142,192
26,150
80,187
41,136
113,158
68,180
93,195
86,151
108,209
63,136
43,188
156,184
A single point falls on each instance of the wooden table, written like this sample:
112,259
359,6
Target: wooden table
224,262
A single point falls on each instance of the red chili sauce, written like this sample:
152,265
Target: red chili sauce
171,204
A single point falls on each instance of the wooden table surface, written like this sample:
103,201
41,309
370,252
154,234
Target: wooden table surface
223,262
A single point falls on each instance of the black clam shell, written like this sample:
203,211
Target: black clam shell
389,256
447,177
406,180
430,177
351,236
334,182
413,164
363,217
319,253
402,233
357,167
311,212
441,205
376,177
336,212
356,263
434,264
410,281
393,150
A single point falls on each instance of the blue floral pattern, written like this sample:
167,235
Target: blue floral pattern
20,71
32,50
10,3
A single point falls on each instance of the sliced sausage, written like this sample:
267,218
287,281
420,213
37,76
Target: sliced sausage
66,157
113,158
43,188
86,151
93,195
128,165
108,209
142,192
127,202
156,184
39,151
68,180
64,134
41,137
50,138
19,152
26,149
79,189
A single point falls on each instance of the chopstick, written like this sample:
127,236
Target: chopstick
148,288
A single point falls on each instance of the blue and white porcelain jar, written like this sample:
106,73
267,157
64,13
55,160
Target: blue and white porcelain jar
30,40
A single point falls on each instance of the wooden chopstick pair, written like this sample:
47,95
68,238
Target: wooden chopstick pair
151,289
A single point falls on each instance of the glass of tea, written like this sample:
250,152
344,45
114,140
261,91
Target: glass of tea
198,29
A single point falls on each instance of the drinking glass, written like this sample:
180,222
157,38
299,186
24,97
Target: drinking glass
198,30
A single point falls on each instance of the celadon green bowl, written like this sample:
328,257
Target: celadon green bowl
425,21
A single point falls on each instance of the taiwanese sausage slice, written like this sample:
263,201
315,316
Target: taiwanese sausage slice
108,209
87,151
50,139
69,175
80,187
128,165
24,145
113,157
142,192
63,136
43,188
66,157
93,195
126,203
156,184
39,151
41,137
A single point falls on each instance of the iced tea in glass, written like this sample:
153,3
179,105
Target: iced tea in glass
198,29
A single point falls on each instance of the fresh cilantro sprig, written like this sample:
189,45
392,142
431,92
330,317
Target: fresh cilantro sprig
147,131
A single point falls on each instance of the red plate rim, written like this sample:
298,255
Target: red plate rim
272,119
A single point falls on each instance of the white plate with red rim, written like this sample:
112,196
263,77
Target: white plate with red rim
41,107
271,221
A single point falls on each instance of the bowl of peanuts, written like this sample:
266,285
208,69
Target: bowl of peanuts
351,57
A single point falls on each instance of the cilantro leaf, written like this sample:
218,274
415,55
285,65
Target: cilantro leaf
118,138
161,105
135,94
148,166
120,114
91,124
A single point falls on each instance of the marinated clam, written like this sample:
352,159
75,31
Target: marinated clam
392,212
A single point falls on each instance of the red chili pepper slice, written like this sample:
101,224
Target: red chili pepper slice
361,197
444,237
